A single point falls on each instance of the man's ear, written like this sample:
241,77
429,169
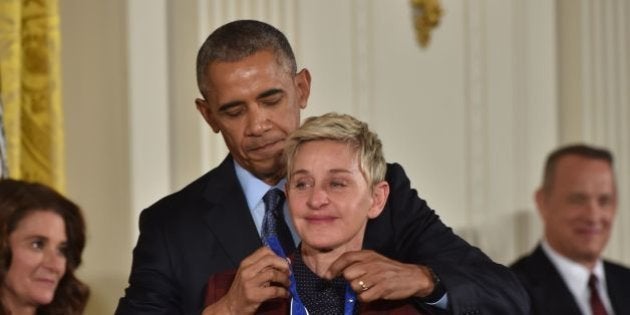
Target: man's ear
204,109
303,85
540,196
380,192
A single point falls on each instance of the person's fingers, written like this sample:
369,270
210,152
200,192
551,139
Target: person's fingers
272,276
265,285
273,292
260,260
258,255
373,276
254,257
261,276
357,270
361,284
269,284
366,291
339,266
372,286
391,280
272,261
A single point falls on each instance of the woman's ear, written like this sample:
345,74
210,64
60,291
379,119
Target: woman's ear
380,192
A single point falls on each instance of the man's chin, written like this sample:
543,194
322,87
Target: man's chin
269,172
590,254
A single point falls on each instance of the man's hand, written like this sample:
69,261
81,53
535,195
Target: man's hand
375,277
260,277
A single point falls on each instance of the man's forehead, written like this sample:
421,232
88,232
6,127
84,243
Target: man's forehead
244,74
585,184
265,57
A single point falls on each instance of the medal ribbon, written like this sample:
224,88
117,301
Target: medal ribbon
297,307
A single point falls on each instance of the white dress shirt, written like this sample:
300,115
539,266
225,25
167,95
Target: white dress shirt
576,276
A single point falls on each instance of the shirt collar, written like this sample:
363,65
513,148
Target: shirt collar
574,274
253,188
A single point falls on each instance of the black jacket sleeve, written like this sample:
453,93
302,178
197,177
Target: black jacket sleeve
152,288
409,231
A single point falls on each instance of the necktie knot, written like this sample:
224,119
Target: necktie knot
592,282
274,199
273,221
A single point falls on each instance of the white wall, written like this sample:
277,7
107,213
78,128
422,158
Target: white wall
595,92
471,117
94,69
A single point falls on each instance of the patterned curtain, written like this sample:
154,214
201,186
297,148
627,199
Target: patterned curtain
31,90
4,171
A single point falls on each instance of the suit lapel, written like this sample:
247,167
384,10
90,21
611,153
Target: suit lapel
228,215
617,290
550,287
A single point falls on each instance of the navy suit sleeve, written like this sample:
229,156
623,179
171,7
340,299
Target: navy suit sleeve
151,286
185,238
474,283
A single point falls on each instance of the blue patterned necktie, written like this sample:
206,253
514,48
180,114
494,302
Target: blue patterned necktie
273,221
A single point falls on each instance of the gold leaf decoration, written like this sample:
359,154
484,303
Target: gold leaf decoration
426,17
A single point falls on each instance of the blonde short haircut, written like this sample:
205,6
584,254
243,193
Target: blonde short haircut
344,129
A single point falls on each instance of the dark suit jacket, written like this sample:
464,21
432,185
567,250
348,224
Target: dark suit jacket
549,293
219,284
206,228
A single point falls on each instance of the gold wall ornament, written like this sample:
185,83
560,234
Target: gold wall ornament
426,16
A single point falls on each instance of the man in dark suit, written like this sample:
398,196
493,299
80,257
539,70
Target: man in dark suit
577,202
253,95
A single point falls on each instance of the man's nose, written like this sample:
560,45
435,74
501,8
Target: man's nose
257,120
594,210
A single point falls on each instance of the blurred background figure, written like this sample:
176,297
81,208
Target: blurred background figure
42,236
577,201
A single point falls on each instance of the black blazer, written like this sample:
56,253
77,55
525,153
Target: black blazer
549,293
206,228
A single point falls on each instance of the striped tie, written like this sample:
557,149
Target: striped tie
273,221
